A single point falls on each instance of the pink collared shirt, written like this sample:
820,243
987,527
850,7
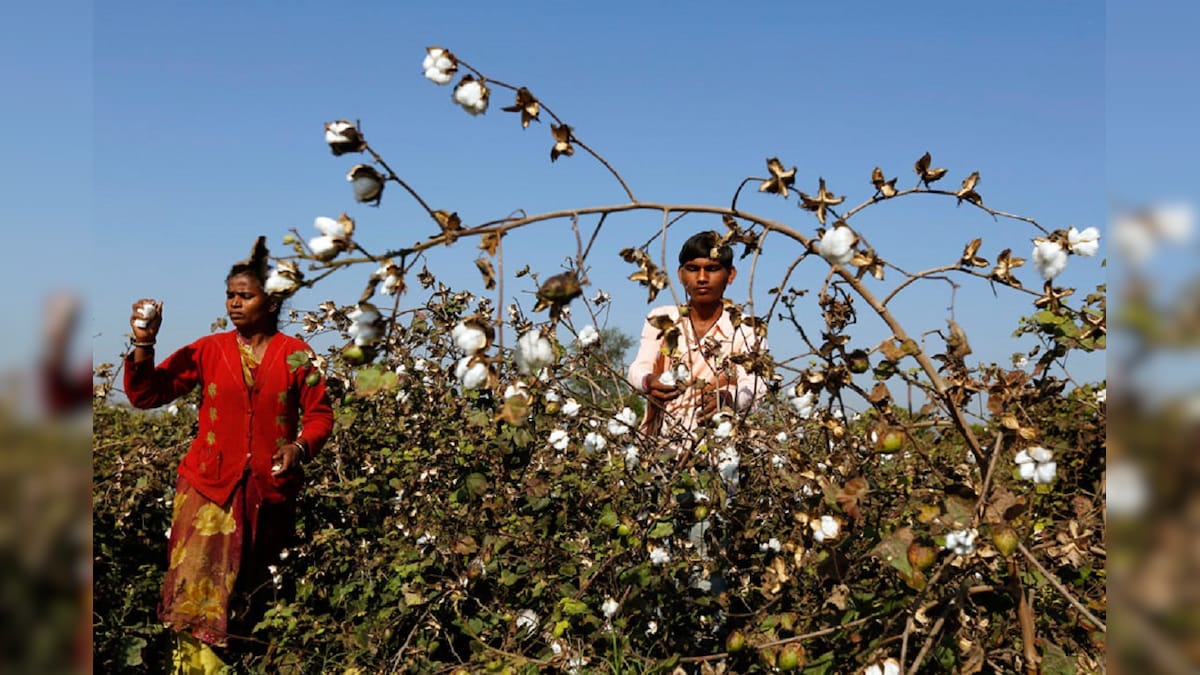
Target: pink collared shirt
707,359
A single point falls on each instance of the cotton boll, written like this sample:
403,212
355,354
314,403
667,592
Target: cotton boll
1049,258
837,245
1086,243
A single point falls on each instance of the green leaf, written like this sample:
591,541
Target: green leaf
573,607
298,359
133,651
662,529
372,380
1055,661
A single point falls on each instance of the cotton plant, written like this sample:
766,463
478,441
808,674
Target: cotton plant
283,280
1036,464
570,408
366,183
587,337
659,556
632,456
1049,257
472,372
594,442
888,666
825,528
622,422
366,325
343,136
439,65
335,237
837,244
534,352
961,542
472,95
390,278
559,439
802,402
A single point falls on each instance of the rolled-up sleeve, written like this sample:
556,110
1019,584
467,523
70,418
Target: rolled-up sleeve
648,351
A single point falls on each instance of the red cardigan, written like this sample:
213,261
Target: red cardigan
238,425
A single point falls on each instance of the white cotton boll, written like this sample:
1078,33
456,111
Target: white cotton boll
323,247
148,310
439,76
471,372
632,457
472,95
468,338
366,188
1036,464
571,407
609,608
527,621
837,245
728,463
961,542
516,390
772,544
803,404
390,284
534,352
724,425
173,409
551,396
279,284
781,437
588,336
594,442
667,378
659,556
682,374
1102,396
825,529
329,227
622,422
1086,243
559,439
1049,258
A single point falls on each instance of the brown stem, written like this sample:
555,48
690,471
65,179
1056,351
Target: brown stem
1058,586
1025,619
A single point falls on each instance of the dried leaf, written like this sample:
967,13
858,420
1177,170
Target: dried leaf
885,188
562,141
527,105
927,174
822,201
780,179
969,257
490,242
489,274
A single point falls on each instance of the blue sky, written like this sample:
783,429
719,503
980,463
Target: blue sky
203,128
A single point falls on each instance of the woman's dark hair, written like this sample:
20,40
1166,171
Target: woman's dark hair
706,245
256,267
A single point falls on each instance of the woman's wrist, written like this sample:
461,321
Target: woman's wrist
302,447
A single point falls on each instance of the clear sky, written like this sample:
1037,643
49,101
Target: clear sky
208,131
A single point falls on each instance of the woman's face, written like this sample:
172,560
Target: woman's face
247,304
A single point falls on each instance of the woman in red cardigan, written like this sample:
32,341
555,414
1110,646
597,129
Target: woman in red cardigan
264,412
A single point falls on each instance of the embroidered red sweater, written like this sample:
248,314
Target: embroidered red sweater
239,426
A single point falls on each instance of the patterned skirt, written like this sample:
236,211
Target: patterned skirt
218,556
